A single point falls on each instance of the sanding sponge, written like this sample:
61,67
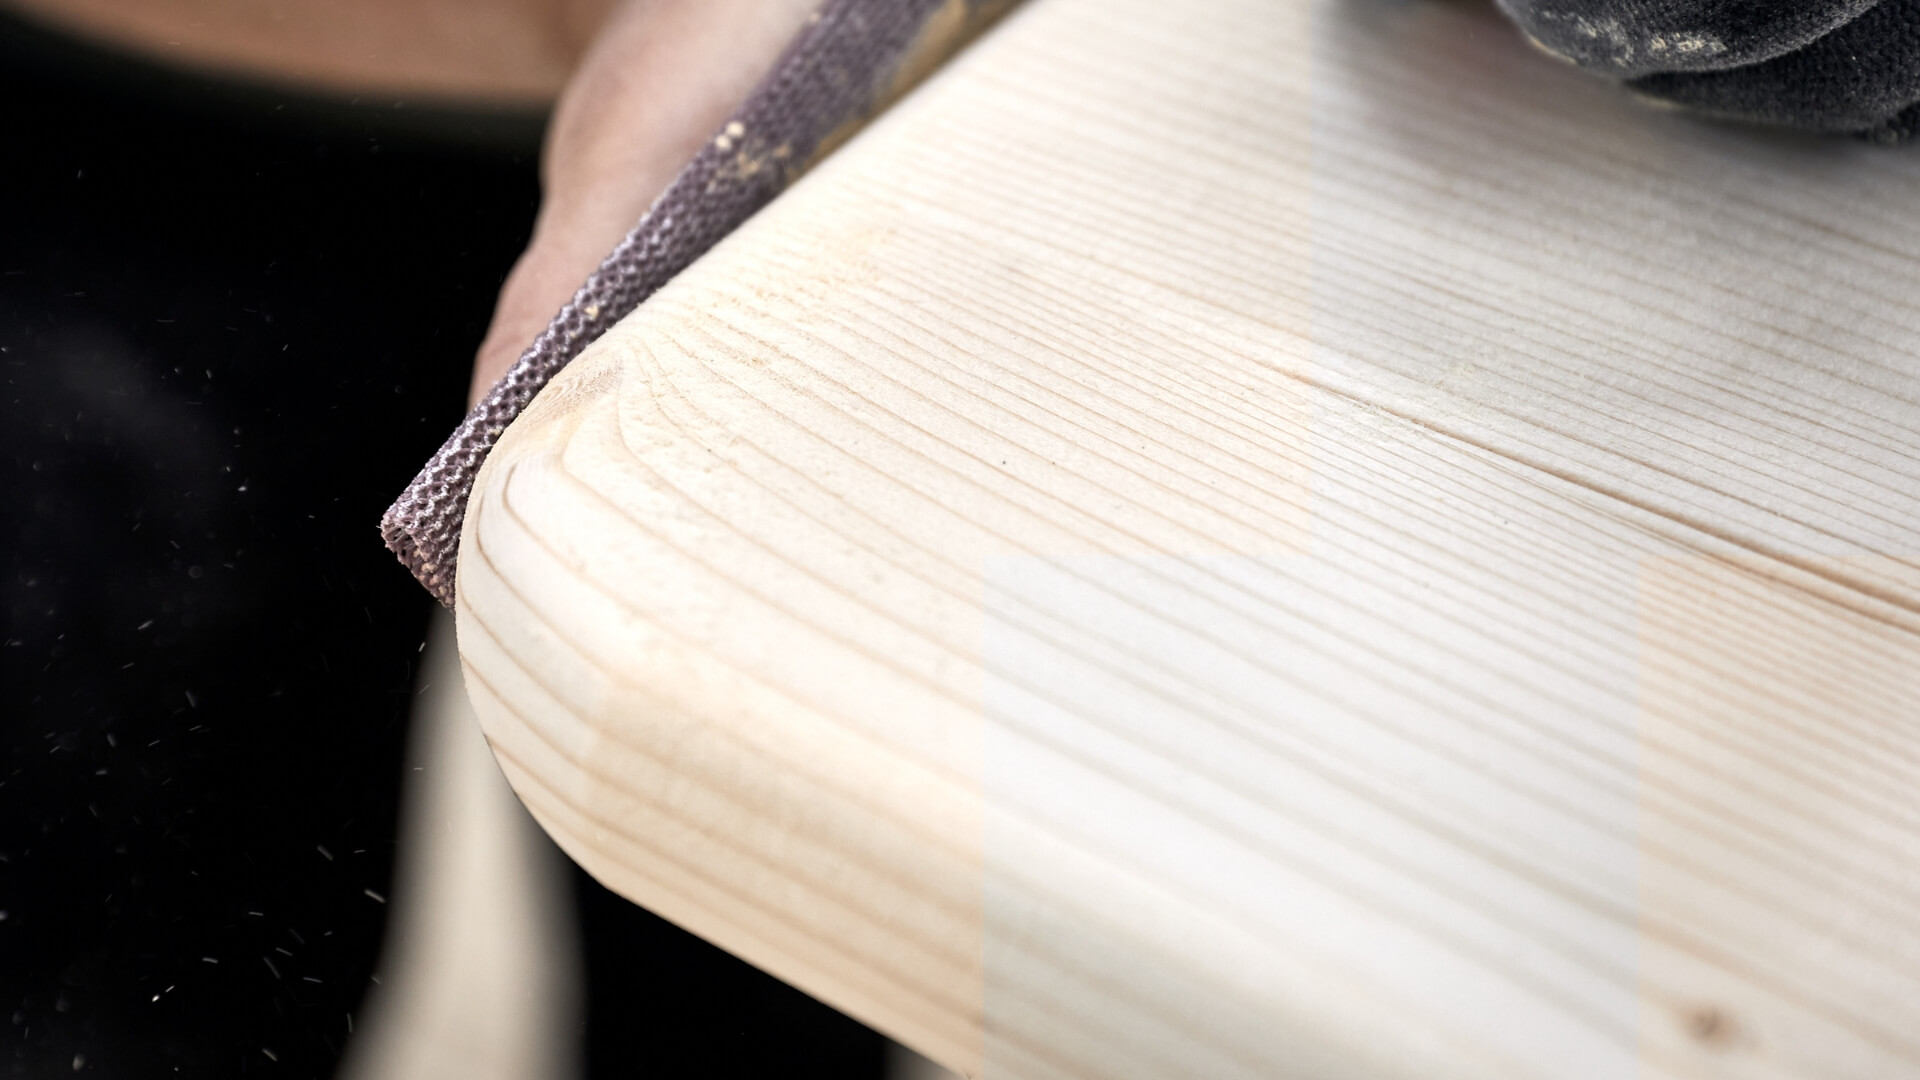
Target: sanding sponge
846,64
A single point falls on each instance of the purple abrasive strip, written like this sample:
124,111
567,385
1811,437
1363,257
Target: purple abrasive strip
843,66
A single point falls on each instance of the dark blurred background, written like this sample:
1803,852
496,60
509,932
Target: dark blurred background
233,321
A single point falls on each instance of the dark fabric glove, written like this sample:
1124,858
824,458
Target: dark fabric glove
1844,66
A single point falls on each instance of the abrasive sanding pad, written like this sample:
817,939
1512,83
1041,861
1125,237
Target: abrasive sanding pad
850,60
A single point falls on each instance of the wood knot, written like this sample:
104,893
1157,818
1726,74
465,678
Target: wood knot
1710,1026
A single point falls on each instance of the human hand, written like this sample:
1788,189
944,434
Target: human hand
659,78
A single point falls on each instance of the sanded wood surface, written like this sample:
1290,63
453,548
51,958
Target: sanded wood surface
1239,538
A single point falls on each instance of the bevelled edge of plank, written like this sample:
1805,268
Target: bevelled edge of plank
746,818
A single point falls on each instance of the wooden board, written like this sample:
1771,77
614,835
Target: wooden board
1238,538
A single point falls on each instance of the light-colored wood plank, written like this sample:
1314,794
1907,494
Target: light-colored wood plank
1248,539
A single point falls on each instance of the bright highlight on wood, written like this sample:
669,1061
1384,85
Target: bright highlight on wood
1244,539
